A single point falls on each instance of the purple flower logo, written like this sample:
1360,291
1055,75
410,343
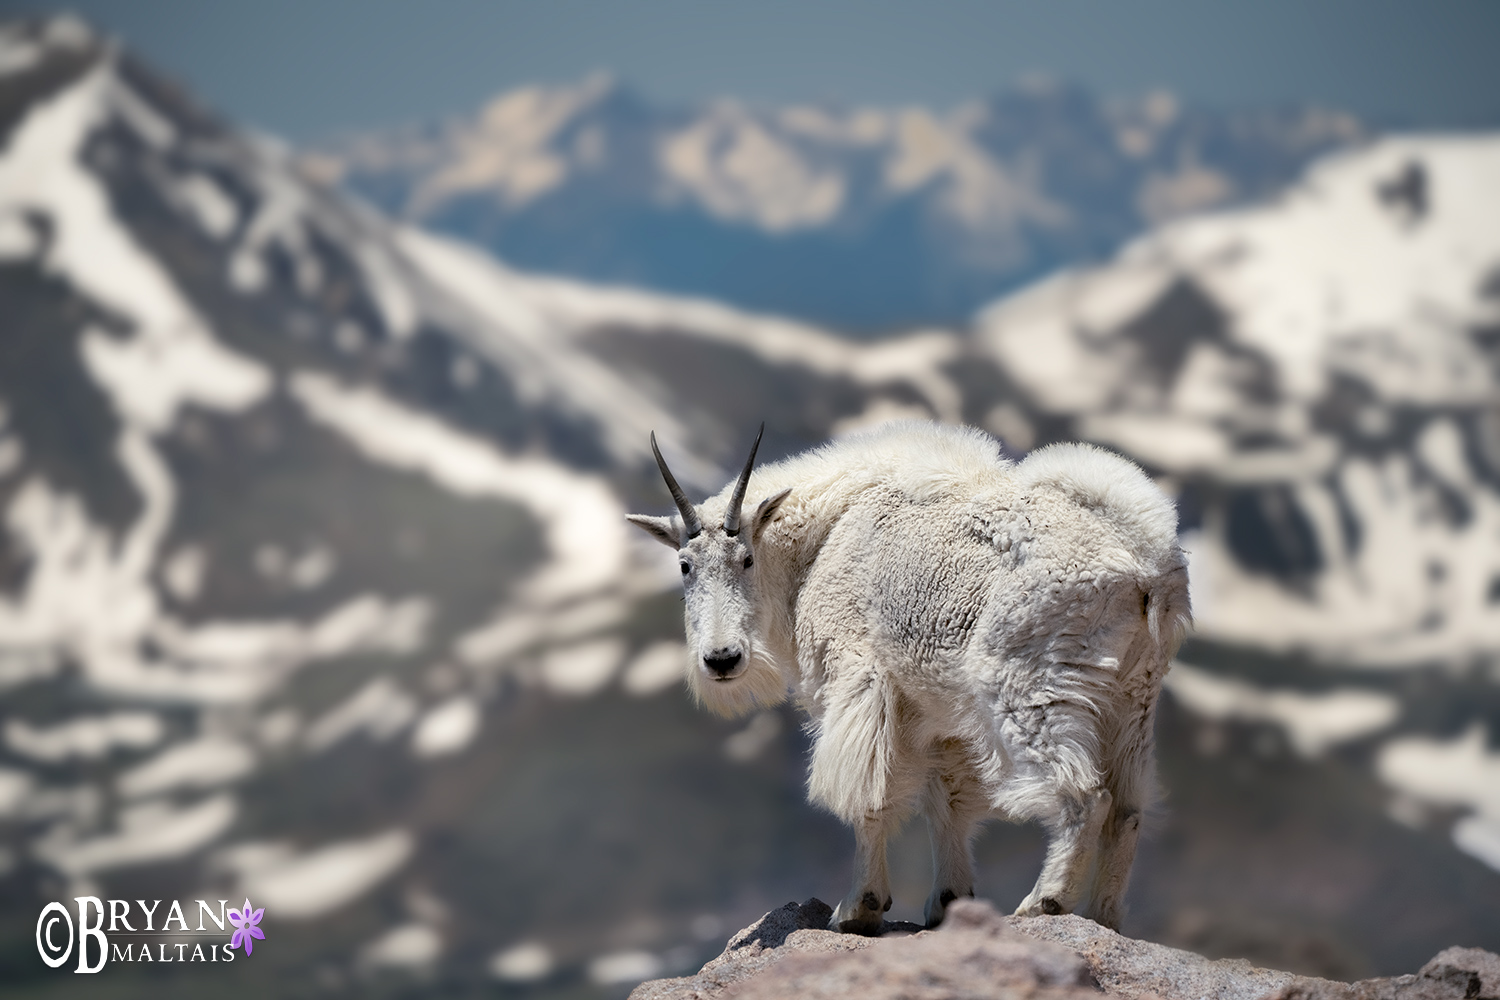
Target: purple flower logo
245,927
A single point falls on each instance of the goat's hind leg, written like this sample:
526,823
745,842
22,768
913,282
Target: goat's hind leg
1071,850
954,802
1121,830
1133,785
863,910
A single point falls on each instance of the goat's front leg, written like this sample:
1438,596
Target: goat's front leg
1071,851
863,910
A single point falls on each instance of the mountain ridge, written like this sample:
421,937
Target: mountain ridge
907,216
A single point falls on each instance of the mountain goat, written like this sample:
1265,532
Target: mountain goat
971,636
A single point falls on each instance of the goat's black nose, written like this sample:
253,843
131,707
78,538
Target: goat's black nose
722,661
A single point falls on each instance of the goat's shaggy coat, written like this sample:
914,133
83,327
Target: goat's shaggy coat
970,636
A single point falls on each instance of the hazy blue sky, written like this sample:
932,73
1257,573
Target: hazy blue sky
312,66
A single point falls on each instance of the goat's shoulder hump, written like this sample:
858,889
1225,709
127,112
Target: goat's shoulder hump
917,458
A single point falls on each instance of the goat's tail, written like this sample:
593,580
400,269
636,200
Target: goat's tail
1131,773
1130,758
1169,613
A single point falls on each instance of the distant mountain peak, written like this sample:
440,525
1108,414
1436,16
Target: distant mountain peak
592,181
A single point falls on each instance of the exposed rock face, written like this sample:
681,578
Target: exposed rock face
979,953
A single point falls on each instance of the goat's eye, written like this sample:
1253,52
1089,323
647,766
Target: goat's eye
749,561
686,569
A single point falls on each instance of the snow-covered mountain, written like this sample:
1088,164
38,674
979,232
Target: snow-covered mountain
314,583
1319,377
865,219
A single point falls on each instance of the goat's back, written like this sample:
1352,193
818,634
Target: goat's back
928,558
1092,490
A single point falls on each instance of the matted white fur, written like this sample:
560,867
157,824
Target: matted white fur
971,637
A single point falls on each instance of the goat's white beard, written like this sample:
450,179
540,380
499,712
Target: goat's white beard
759,686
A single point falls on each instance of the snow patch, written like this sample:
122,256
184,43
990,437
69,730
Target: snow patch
447,728
151,379
1314,723
150,832
656,668
184,572
582,520
89,738
522,963
380,709
510,152
740,172
310,885
1415,590
625,967
213,210
583,668
409,946
202,763
1461,773
170,358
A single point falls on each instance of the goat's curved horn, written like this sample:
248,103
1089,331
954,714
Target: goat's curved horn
732,514
690,520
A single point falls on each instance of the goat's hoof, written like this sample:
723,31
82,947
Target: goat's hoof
1108,914
1039,907
937,905
860,915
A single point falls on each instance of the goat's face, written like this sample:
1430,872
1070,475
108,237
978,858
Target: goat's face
718,586
731,670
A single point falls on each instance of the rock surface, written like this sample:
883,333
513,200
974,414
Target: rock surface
979,953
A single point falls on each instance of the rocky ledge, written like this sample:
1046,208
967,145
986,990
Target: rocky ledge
979,953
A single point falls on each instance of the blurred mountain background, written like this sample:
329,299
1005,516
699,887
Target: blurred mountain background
868,220
314,580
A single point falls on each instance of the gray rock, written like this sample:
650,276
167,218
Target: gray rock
791,929
1454,974
1482,969
1130,968
978,953
788,952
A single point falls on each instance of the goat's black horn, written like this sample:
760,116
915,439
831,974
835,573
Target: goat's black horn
732,514
690,519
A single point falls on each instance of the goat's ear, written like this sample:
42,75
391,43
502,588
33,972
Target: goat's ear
663,529
766,512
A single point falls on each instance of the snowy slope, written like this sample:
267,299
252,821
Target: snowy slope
215,326
282,481
1321,374
868,219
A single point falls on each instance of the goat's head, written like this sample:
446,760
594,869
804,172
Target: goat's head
731,668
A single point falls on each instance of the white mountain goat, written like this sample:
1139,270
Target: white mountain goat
971,636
